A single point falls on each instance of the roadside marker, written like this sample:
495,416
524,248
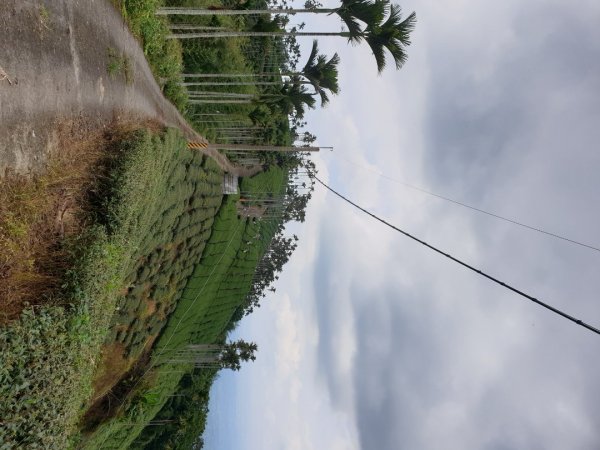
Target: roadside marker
196,144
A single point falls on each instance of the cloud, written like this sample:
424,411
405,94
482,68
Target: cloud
441,359
487,108
289,351
381,344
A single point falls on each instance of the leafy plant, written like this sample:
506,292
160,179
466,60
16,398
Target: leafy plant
119,63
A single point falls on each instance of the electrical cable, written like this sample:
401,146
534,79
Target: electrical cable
464,264
474,208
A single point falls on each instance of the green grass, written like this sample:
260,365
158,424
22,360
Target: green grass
163,55
48,357
119,64
216,289
155,267
188,411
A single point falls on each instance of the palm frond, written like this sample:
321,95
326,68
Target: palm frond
377,47
367,11
327,73
401,29
324,97
294,96
393,35
355,31
312,58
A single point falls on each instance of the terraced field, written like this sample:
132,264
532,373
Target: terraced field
160,258
180,219
214,294
165,261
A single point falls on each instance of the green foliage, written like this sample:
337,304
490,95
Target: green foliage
164,55
188,410
48,357
152,188
119,64
215,291
36,352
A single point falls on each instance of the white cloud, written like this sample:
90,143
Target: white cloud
288,347
397,347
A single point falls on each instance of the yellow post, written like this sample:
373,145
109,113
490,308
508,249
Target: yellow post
192,145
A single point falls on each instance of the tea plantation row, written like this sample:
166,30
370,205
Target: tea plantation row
215,291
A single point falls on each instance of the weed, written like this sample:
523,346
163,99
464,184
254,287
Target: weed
212,294
43,20
44,15
127,70
119,64
38,217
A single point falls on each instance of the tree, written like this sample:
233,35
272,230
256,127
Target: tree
234,353
319,71
349,11
393,35
292,97
380,33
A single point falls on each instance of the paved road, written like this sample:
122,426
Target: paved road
56,57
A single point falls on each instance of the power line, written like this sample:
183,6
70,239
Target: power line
464,264
474,208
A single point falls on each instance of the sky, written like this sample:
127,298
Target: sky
374,342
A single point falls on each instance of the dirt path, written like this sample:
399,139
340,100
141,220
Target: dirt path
54,56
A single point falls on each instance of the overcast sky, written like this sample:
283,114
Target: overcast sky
374,342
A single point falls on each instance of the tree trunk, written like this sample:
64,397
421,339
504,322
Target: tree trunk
194,27
238,83
227,34
242,128
201,102
219,94
262,148
182,11
241,75
221,122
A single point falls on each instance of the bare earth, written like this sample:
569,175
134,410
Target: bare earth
53,71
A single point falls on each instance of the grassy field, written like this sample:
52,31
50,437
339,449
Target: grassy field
152,258
48,357
187,411
163,55
169,58
178,223
215,291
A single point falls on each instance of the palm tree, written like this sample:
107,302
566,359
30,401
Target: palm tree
292,96
320,72
393,35
350,12
234,353
380,33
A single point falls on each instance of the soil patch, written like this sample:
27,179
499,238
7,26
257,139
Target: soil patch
110,403
114,363
41,215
